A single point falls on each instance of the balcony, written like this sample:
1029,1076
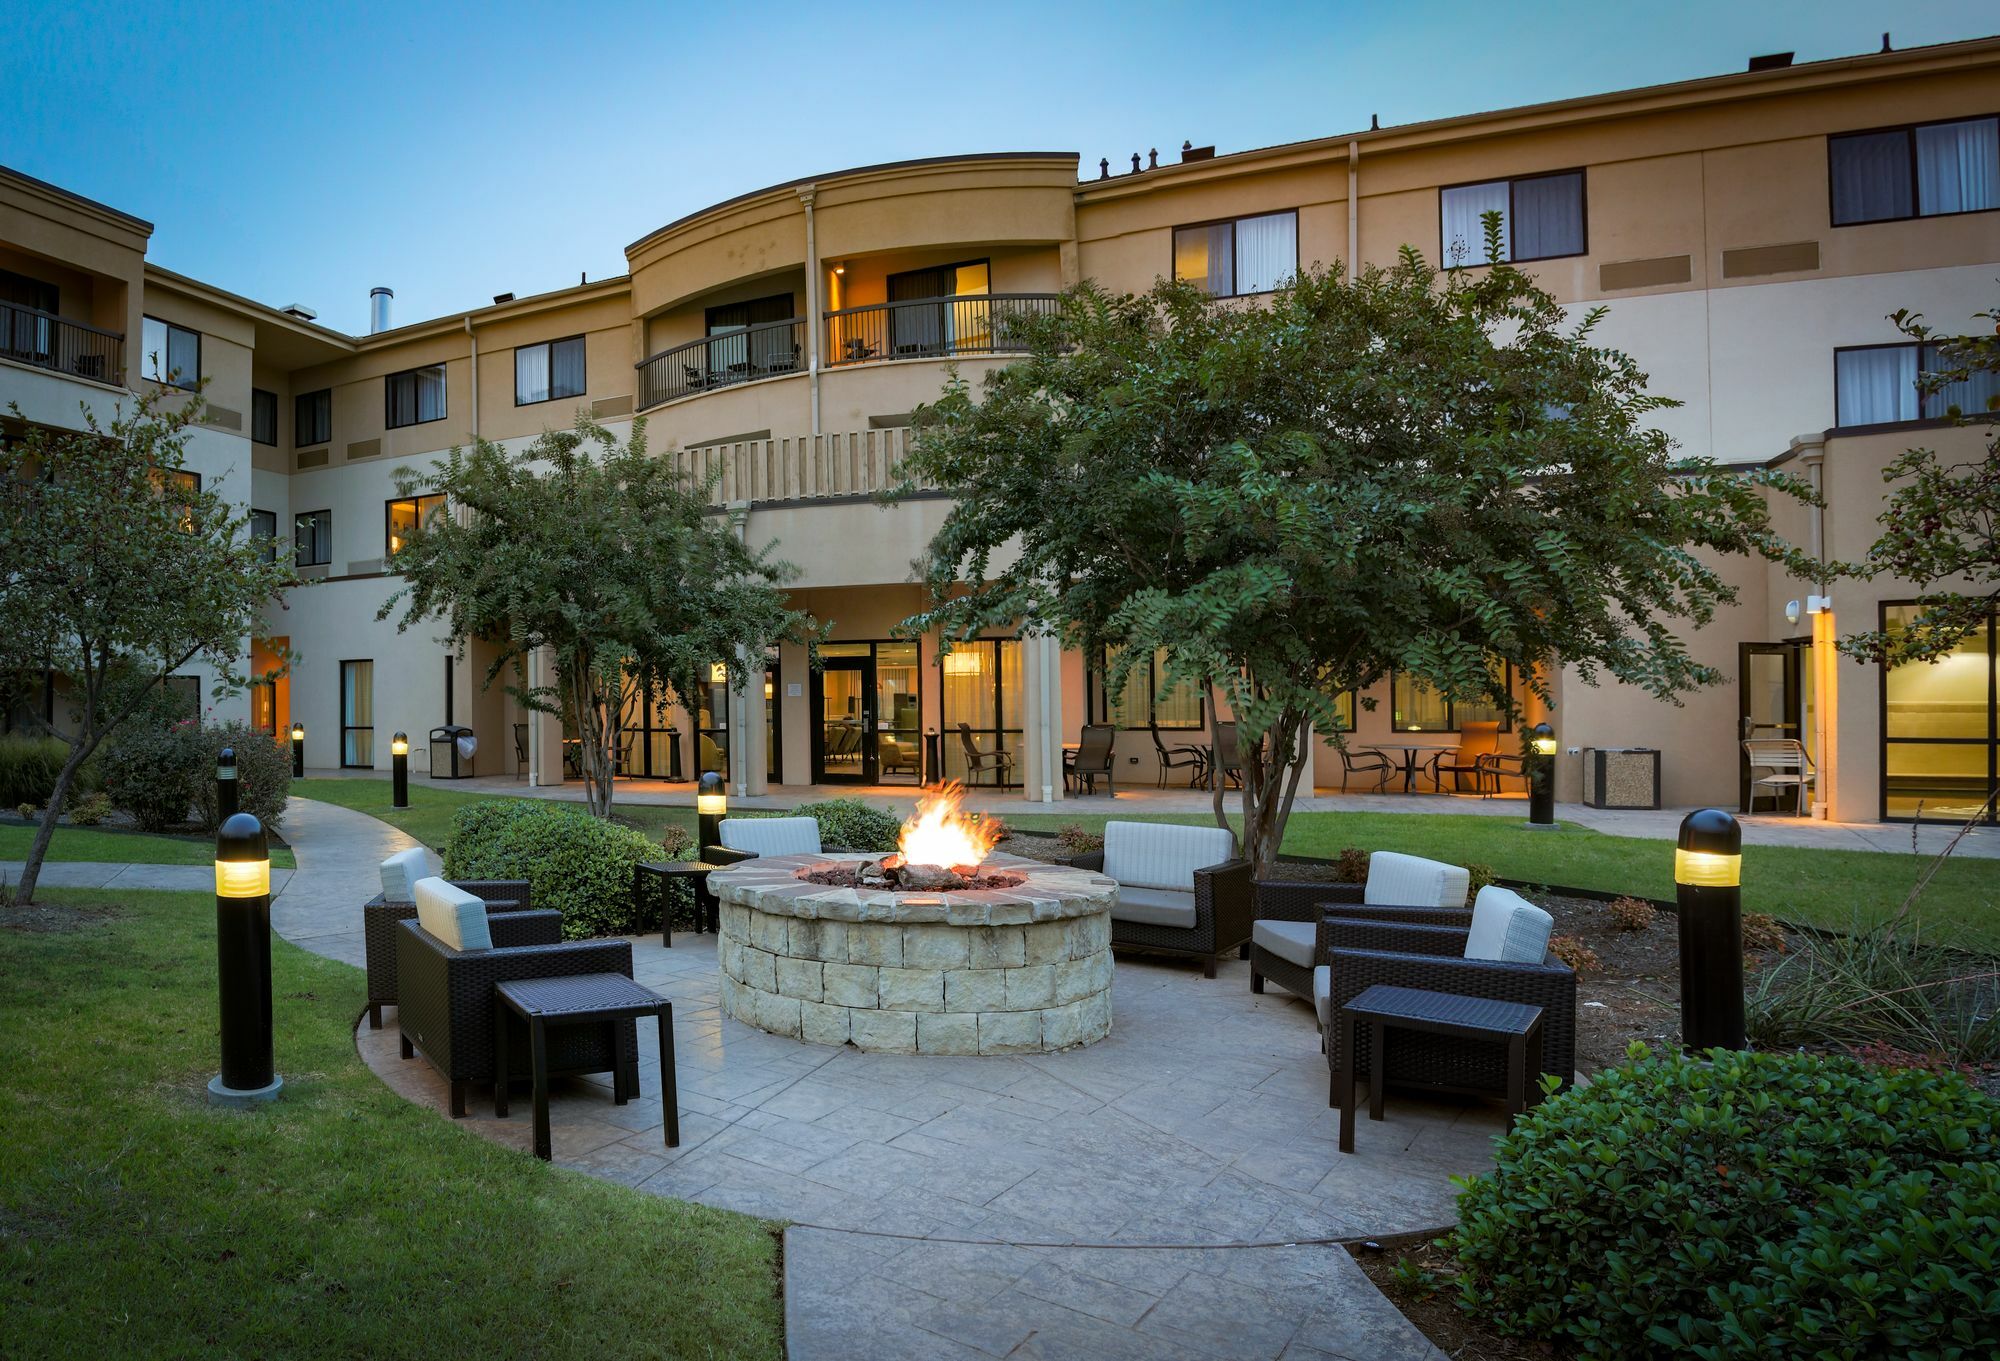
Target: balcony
932,328
47,341
768,350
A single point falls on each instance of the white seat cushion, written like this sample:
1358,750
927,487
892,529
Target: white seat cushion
1506,926
1163,854
401,871
771,836
1154,907
455,917
1323,995
1290,941
1397,880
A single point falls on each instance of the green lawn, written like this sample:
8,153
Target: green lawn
342,1221
120,847
428,818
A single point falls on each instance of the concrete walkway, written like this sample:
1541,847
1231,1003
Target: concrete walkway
115,874
1156,1195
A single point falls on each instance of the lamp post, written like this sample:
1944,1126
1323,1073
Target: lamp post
298,751
711,801
225,785
1708,876
1541,777
243,963
399,771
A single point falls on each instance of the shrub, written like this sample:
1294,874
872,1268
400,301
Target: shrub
150,768
1572,951
676,842
89,810
28,770
1351,866
27,812
1872,985
1681,1206
577,864
1478,876
1762,932
1630,914
851,825
1077,839
263,774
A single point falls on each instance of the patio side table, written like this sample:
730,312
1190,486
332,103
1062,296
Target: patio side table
582,999
661,871
1379,1007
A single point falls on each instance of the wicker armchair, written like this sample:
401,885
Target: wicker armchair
503,897
1359,954
447,1006
1306,901
1221,916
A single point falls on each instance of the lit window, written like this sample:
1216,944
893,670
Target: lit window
1142,703
1243,255
405,514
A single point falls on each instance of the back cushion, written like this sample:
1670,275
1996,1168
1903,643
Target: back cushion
1161,854
771,836
1396,880
401,871
1506,926
452,915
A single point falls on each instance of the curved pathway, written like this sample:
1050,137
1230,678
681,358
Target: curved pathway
1157,1194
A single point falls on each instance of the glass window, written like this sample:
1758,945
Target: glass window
547,371
1877,385
1416,706
264,526
414,396
1246,255
263,416
312,415
1940,728
403,516
1147,698
1920,171
357,714
312,534
1541,218
264,707
982,706
1343,711
169,354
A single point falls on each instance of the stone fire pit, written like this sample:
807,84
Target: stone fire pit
1019,970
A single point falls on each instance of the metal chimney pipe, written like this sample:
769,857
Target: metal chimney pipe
378,309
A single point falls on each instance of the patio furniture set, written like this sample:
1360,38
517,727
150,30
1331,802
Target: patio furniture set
1476,756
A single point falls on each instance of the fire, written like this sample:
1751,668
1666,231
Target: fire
938,834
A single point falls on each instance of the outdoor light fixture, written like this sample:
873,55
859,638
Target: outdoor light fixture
718,673
1791,611
1819,604
711,798
243,963
1708,865
399,771
225,784
1542,776
298,751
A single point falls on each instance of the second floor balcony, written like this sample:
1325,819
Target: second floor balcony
61,345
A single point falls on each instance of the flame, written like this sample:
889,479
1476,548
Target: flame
938,834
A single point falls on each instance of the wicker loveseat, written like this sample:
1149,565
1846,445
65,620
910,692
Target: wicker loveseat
396,903
1404,888
1179,890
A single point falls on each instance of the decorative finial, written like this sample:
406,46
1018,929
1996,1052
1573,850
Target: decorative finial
1153,159
1187,146
1374,122
1135,162
1104,167
1885,43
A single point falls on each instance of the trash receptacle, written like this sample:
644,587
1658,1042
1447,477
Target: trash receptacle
452,749
1621,777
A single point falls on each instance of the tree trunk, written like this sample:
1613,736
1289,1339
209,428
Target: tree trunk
38,851
592,759
1271,770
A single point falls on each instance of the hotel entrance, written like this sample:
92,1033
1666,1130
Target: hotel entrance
866,706
1774,700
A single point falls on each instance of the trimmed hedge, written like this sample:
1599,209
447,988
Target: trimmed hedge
162,772
577,864
1738,1204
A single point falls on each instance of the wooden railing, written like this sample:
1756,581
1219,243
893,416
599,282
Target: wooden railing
855,463
47,341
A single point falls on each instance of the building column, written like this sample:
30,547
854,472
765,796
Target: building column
1042,720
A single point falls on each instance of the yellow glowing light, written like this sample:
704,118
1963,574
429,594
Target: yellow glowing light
937,834
711,805
966,662
718,674
298,732
399,746
767,689
1707,869
1546,745
242,878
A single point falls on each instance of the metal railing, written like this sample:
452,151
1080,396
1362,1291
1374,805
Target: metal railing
932,328
800,468
766,350
47,341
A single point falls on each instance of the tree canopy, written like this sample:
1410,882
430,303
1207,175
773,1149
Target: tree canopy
601,553
1430,474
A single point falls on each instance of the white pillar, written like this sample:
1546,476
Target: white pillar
1041,755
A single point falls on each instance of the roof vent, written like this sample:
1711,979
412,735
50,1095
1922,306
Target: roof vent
1190,152
378,309
499,298
299,310
1773,61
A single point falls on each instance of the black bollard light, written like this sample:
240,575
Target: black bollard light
1542,776
243,963
399,771
711,802
1708,876
298,751
225,785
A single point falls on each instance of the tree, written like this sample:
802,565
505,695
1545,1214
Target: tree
117,570
1941,527
600,553
1431,475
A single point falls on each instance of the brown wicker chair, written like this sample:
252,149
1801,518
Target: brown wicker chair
1360,954
1094,756
378,929
1222,916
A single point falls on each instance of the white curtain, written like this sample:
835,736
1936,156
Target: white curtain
1871,177
531,374
1205,256
1972,396
1548,217
1464,234
1876,385
430,394
1958,167
1267,252
566,368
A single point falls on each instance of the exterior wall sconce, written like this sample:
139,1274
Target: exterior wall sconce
1708,873
1791,611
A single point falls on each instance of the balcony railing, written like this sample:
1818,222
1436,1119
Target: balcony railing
932,328
801,468
51,342
766,350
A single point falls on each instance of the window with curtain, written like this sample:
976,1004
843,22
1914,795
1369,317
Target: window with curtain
1245,255
1941,727
547,371
1877,385
1147,698
1541,218
982,689
263,416
1925,170
169,354
1343,711
357,714
403,515
264,529
731,351
312,537
414,396
312,418
1416,706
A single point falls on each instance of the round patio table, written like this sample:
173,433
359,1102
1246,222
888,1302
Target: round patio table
1409,763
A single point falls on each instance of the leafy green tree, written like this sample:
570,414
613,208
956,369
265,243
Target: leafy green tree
116,572
1941,527
1405,471
604,555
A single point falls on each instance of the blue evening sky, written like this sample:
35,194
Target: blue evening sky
290,152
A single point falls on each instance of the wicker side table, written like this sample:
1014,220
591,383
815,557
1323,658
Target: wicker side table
663,871
1515,1024
582,999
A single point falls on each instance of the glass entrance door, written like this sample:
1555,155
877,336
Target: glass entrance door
844,746
1772,701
